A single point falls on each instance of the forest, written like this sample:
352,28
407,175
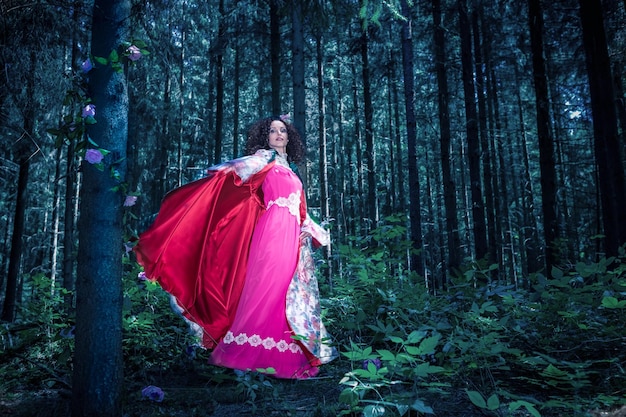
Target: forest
467,156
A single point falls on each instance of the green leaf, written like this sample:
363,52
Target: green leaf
348,396
493,402
386,355
420,407
101,60
412,350
612,302
114,56
529,407
476,398
428,345
374,411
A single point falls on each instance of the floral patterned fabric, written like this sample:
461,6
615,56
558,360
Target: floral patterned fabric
303,307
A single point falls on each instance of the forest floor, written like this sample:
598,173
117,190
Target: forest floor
191,395
196,392
193,388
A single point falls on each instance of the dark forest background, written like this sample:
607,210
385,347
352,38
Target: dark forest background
467,156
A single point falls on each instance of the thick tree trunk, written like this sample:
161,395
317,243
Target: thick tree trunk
473,144
546,146
449,188
417,261
98,379
611,180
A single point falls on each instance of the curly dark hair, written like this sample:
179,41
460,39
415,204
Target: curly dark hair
259,132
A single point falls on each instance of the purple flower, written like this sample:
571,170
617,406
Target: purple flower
191,351
89,110
153,393
68,333
142,276
134,53
375,361
285,118
86,66
93,156
130,200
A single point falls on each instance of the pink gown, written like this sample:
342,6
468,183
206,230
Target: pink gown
228,249
260,335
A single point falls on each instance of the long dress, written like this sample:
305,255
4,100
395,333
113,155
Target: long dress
228,249
260,336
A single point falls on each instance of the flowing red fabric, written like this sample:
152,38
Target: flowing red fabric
197,248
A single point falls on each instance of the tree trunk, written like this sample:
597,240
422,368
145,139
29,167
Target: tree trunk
323,164
181,106
620,102
473,144
56,220
606,139
417,262
69,225
275,56
297,75
484,142
98,367
360,211
449,189
368,112
15,257
237,91
529,237
219,84
17,243
546,146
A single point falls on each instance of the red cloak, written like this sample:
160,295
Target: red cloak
197,248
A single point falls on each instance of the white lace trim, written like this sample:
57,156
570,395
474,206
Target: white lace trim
292,203
255,341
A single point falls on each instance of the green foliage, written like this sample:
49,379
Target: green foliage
37,348
552,350
251,384
555,349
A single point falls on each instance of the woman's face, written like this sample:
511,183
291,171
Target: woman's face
278,137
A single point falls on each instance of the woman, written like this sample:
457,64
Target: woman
233,249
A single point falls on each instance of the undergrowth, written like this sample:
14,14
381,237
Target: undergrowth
483,345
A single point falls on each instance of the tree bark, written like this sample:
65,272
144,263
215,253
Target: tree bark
219,84
15,256
473,144
297,75
275,56
485,150
98,366
546,146
408,71
611,182
449,188
368,112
